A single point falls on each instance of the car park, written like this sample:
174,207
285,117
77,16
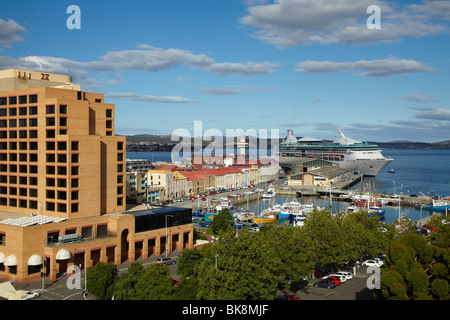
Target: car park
332,279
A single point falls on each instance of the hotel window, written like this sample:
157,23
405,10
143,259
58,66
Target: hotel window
62,145
62,183
33,133
50,182
74,171
74,145
50,158
50,145
74,183
22,192
119,201
33,157
98,100
12,191
102,230
12,168
50,169
62,171
33,122
12,123
119,190
49,206
119,179
33,169
32,204
2,239
3,123
119,145
3,112
108,113
74,158
50,122
12,179
63,109
108,124
23,134
22,145
22,111
12,112
32,111
33,98
12,100
62,195
50,109
33,145
51,133
62,207
13,202
33,193
63,122
74,195
74,207
52,237
13,146
3,134
62,158
3,101
22,203
22,99
22,123
119,168
86,232
22,180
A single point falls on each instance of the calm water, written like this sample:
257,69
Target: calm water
416,172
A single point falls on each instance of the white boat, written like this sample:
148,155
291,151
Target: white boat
271,192
349,154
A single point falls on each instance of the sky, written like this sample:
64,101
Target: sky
313,66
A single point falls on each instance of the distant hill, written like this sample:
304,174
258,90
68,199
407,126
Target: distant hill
166,139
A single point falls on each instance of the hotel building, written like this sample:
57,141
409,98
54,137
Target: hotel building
63,182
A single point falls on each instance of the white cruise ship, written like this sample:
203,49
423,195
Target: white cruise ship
348,153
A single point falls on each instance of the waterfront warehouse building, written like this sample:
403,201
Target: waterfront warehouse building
63,180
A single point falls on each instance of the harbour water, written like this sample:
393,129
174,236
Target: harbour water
416,172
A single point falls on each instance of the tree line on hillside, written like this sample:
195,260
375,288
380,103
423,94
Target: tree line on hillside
251,265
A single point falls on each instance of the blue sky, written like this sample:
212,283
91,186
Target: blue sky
310,66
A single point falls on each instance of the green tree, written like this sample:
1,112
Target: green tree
188,261
246,266
223,221
187,289
125,286
155,283
101,279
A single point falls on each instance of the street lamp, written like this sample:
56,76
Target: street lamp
169,215
85,273
216,256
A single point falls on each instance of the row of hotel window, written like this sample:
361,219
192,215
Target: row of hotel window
32,98
32,110
33,204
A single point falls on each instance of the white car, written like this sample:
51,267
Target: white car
345,274
31,295
340,277
379,261
371,263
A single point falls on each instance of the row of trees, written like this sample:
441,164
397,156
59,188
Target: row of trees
251,264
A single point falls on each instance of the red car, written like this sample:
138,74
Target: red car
429,228
332,279
291,297
192,197
230,197
204,199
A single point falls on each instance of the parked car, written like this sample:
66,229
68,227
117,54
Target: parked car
371,263
429,228
165,261
331,279
325,284
31,295
346,274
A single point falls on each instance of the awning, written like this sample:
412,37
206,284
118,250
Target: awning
2,257
35,260
63,254
11,261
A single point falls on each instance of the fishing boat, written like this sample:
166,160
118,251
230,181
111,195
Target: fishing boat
244,216
264,218
271,192
297,218
367,203
436,206
391,171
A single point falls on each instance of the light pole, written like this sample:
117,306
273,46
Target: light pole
85,273
167,241
216,256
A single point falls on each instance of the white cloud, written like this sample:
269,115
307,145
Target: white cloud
10,32
220,91
417,97
432,113
148,98
288,23
372,68
241,69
